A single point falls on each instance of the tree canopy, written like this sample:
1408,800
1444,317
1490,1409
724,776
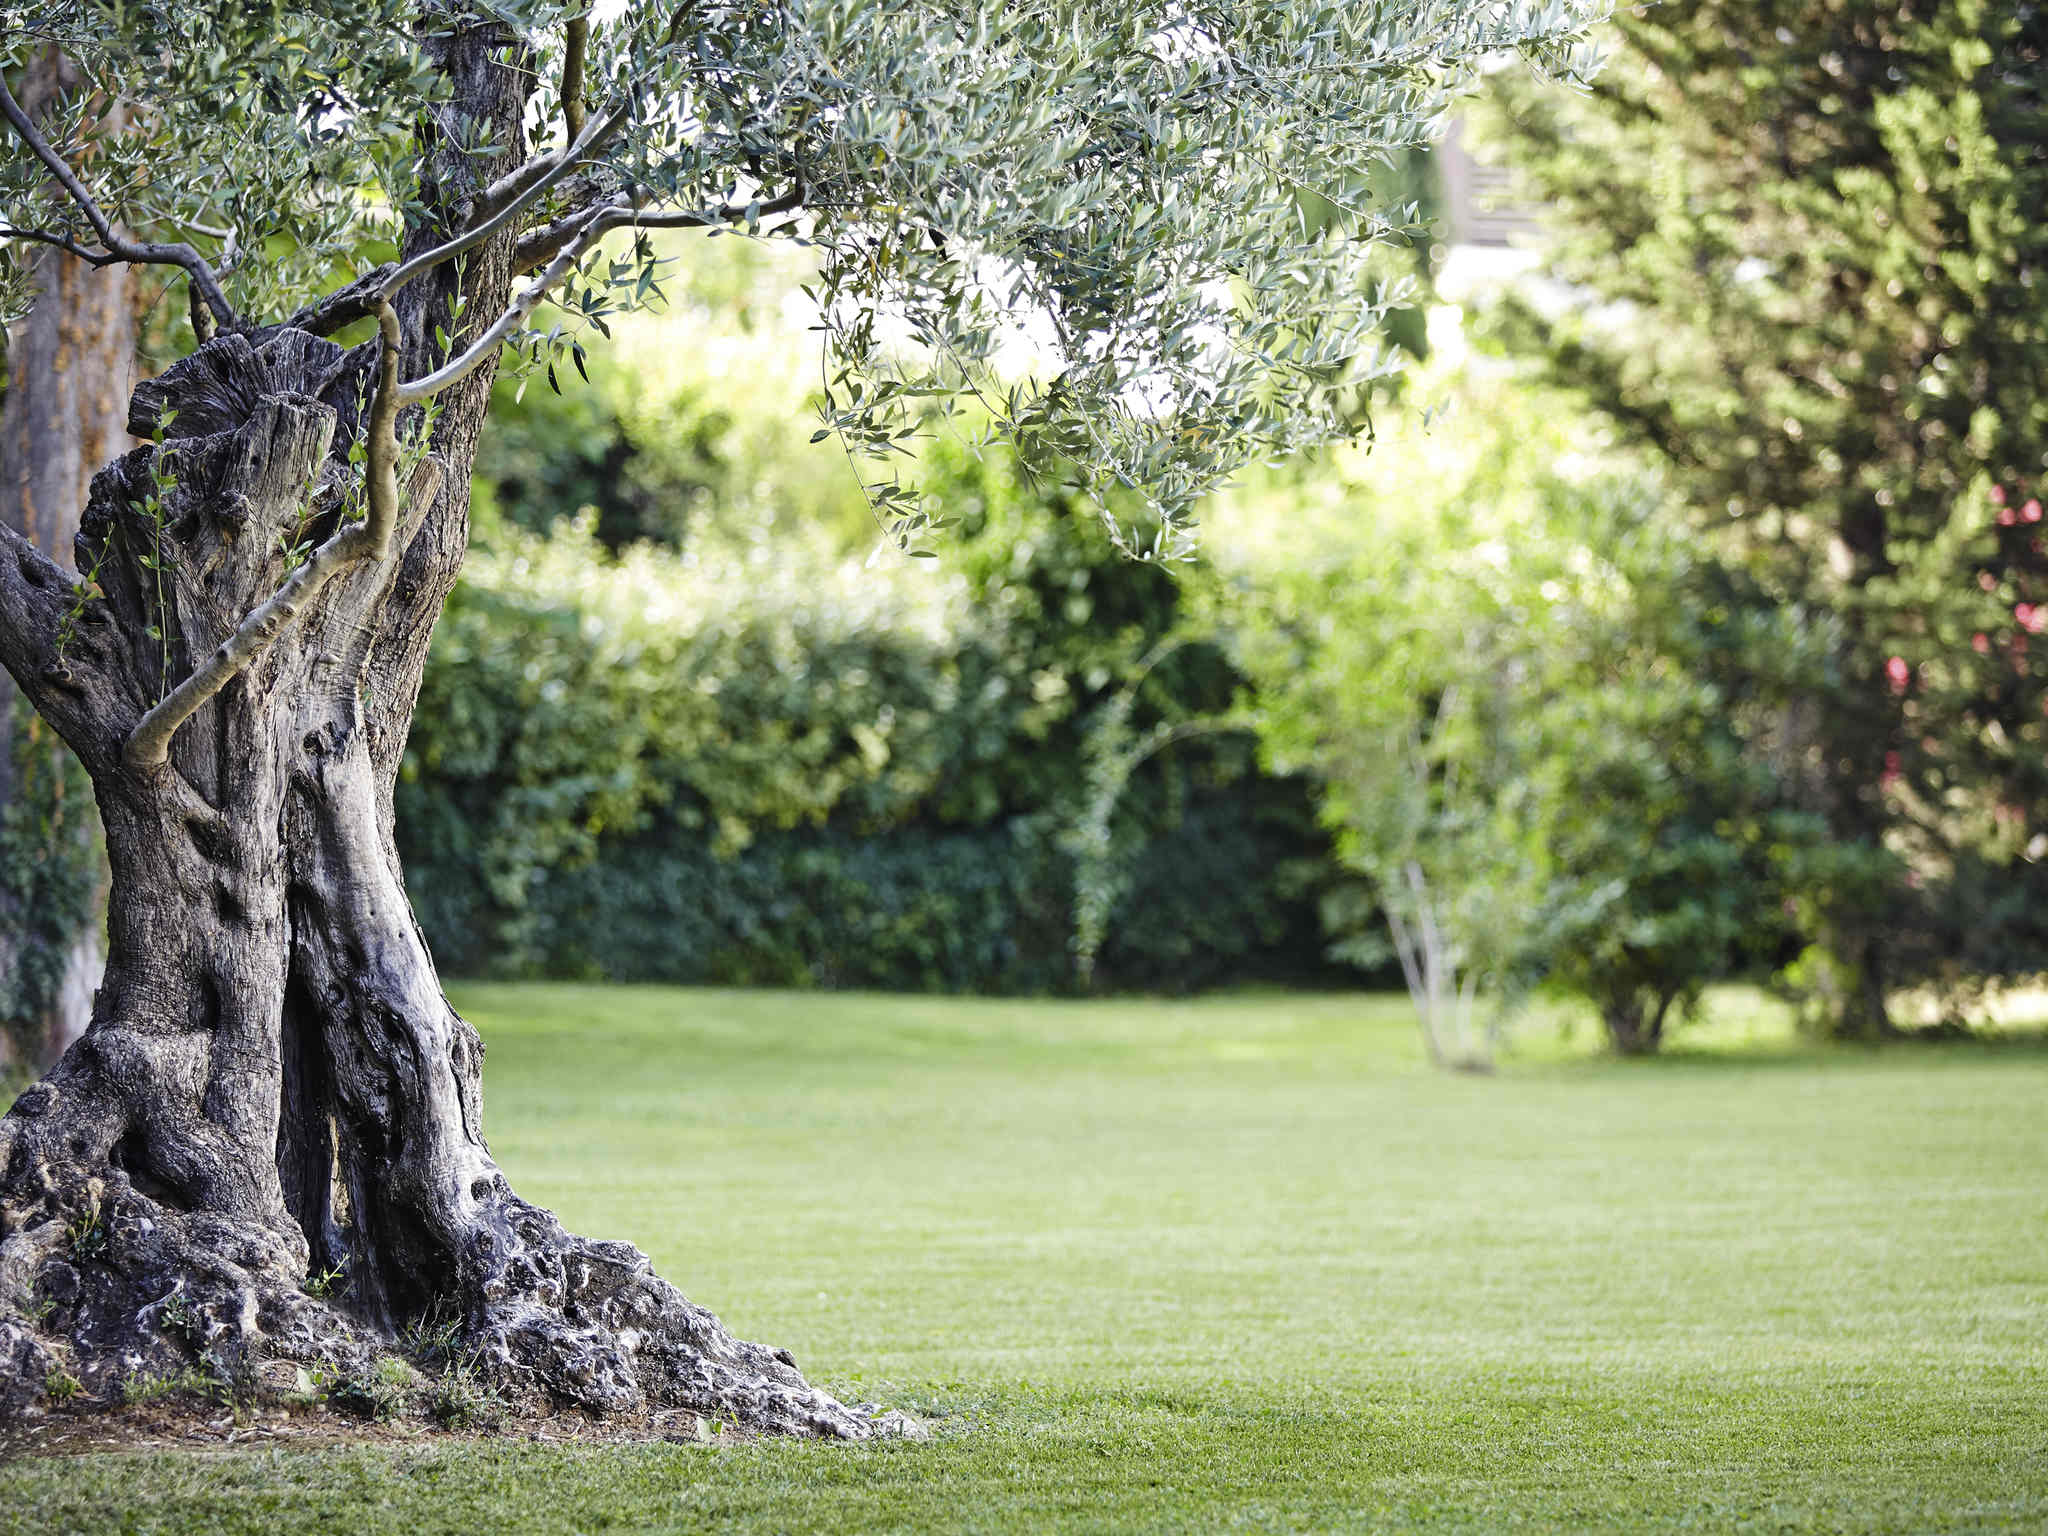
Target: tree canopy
1164,205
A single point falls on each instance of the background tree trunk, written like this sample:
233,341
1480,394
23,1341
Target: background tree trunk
71,365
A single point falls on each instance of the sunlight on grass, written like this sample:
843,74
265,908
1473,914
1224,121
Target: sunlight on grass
1244,1261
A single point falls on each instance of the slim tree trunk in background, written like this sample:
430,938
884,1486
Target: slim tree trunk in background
71,365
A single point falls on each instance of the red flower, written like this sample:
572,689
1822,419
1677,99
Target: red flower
2033,620
1998,495
2005,517
2031,512
1987,581
1981,643
1890,776
1900,674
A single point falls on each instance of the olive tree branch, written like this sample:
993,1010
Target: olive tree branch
504,198
512,191
64,243
519,189
575,43
540,244
344,306
119,248
485,347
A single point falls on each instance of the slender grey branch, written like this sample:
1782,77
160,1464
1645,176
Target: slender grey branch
524,189
486,346
513,187
150,744
539,245
576,235
119,248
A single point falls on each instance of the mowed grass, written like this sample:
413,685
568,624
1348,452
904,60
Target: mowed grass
1245,1263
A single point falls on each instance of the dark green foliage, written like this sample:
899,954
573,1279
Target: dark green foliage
549,455
1822,220
1224,891
49,877
920,911
1677,849
919,908
781,770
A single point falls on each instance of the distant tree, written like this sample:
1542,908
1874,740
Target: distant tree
1390,639
274,1120
70,365
1544,716
1673,844
1815,233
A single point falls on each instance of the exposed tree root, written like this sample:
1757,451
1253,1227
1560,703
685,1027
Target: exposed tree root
112,1297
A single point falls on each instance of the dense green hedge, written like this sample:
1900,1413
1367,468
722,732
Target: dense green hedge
774,766
982,909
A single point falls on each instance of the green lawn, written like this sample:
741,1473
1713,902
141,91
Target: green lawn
1246,1264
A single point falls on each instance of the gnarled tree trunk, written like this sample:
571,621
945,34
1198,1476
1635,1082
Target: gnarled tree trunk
268,1145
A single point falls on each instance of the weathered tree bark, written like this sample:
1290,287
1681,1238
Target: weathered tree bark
71,364
273,1086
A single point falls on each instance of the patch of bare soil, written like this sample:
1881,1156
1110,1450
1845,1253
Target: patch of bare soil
207,1427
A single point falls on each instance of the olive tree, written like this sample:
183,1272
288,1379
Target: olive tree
1166,194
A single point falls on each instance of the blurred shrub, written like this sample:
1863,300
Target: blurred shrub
1550,728
50,863
772,764
692,426
1807,242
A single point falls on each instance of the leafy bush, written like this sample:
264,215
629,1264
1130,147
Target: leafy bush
1552,733
775,765
50,864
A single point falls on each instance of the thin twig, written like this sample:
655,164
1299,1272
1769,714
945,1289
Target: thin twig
548,170
119,248
485,347
539,245
517,187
